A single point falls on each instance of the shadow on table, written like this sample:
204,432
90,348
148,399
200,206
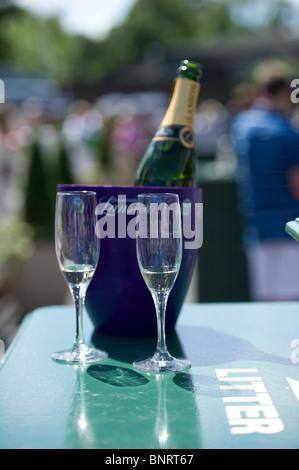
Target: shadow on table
202,346
127,349
208,347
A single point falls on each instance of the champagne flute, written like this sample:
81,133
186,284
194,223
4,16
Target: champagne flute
159,254
77,251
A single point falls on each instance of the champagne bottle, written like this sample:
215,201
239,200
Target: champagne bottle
170,159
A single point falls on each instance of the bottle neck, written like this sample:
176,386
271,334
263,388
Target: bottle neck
182,107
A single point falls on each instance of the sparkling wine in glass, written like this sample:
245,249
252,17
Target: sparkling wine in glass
77,250
159,254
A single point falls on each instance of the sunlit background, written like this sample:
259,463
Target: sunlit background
87,84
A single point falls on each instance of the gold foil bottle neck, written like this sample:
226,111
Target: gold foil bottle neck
182,107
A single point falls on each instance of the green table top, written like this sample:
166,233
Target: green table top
241,392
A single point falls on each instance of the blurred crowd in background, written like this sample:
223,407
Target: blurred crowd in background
101,140
93,143
96,142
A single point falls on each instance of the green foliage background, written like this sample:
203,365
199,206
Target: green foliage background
41,45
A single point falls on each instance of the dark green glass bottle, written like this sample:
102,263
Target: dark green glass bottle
170,159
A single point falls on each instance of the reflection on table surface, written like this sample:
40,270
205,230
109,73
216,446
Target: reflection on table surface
239,392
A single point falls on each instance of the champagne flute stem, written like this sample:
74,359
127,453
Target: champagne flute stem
79,297
160,300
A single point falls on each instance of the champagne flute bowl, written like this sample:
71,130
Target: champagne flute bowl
77,251
159,255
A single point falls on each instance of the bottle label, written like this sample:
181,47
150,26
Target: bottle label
178,121
184,134
181,110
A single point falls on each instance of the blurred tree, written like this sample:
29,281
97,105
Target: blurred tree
7,11
38,211
272,15
214,18
57,167
41,44
153,22
64,168
156,22
40,187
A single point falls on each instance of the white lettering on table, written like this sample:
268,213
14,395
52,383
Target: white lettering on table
248,414
294,384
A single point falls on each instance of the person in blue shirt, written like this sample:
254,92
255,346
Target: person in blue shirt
267,147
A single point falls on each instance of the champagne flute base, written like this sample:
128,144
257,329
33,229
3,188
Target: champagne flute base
171,364
83,355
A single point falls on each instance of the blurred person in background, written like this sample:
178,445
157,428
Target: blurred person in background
267,148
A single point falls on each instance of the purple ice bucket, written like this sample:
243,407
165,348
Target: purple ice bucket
118,301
